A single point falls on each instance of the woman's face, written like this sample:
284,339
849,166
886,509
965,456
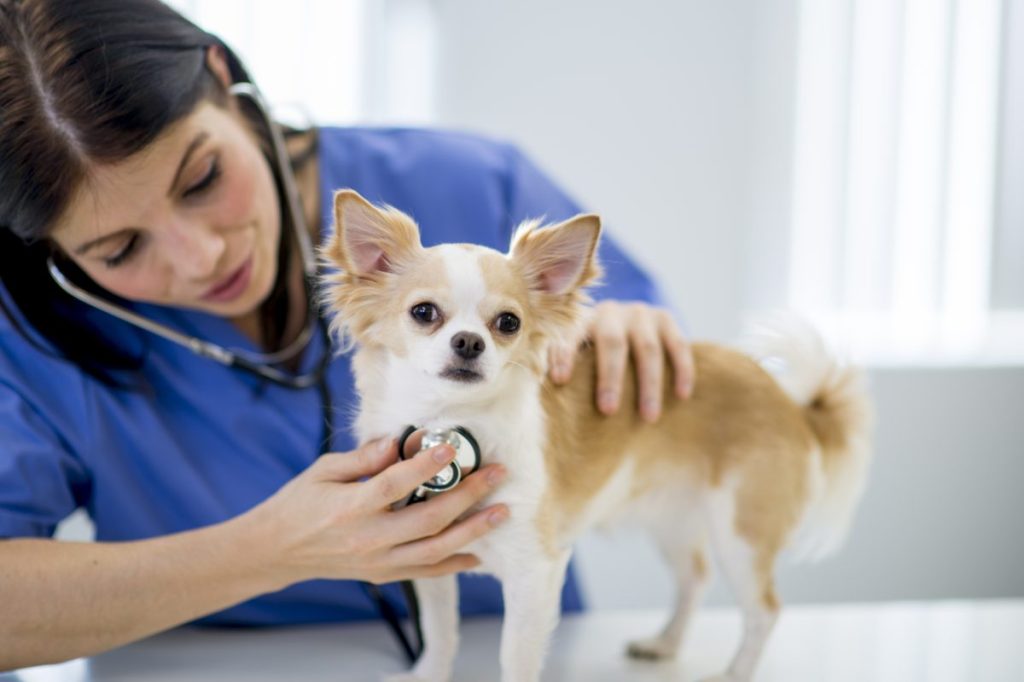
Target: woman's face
191,221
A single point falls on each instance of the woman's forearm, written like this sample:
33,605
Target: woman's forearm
62,600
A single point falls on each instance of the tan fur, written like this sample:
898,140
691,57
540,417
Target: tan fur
700,566
509,294
833,417
556,314
500,275
738,422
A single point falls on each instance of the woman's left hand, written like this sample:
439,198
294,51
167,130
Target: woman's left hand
617,329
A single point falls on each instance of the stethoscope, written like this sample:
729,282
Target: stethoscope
262,364
467,459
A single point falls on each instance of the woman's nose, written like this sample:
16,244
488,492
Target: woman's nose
195,250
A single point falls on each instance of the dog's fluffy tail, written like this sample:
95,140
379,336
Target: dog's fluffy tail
835,403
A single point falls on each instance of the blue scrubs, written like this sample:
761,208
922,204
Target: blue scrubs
203,443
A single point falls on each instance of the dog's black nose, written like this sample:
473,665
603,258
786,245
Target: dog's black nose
468,345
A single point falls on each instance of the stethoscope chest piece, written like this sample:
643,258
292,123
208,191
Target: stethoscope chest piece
467,458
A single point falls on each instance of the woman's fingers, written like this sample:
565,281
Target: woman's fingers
436,548
681,354
649,358
456,563
366,460
612,351
428,518
399,480
648,334
561,358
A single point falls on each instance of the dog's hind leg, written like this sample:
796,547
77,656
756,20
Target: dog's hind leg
749,571
439,617
680,535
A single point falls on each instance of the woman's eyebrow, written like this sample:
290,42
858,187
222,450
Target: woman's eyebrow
89,245
196,142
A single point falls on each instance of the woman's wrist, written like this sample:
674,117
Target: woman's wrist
250,540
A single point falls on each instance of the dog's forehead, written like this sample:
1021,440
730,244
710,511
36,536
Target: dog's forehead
476,274
466,283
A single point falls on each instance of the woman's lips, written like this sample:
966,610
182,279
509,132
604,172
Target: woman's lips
232,286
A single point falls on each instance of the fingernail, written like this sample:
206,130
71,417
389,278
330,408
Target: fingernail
496,475
650,410
443,454
607,400
687,389
498,516
384,444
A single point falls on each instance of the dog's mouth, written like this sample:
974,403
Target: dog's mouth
462,374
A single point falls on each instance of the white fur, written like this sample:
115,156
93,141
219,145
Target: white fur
512,552
792,351
399,391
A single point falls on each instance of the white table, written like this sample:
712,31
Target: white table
980,641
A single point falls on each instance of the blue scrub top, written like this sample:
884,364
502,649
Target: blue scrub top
202,443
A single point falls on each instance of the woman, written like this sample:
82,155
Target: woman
139,175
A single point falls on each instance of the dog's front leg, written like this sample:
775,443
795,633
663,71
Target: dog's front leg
532,599
439,617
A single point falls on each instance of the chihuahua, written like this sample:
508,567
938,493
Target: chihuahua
770,451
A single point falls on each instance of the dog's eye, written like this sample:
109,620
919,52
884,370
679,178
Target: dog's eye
425,313
507,323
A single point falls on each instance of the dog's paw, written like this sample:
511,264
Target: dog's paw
651,649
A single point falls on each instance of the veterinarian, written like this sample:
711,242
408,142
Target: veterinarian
162,360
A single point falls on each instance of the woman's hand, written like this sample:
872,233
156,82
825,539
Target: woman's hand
618,329
327,523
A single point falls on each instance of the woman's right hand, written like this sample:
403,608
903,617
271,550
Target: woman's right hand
328,523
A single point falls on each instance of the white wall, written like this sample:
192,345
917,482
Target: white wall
673,120
642,110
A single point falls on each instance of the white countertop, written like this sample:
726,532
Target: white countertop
975,641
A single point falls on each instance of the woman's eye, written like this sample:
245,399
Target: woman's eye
207,180
123,254
508,323
425,313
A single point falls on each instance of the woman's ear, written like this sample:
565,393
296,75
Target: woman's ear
217,63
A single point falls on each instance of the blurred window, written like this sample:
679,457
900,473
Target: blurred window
331,61
906,238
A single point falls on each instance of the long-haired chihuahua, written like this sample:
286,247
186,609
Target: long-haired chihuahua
770,451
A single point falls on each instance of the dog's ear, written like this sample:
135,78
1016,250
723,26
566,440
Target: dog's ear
368,239
561,258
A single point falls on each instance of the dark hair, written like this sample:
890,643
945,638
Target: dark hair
86,81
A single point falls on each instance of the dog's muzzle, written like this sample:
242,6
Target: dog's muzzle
467,459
